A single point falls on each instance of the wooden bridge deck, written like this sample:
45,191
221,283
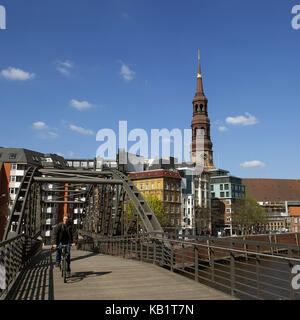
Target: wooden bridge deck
101,277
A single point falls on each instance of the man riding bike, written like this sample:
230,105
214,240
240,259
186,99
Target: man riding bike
63,235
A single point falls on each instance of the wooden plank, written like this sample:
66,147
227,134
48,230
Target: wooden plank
102,277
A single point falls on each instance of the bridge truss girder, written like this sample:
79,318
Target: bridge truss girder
105,207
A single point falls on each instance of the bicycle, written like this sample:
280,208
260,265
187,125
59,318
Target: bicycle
63,262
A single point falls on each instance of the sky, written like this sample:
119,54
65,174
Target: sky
70,68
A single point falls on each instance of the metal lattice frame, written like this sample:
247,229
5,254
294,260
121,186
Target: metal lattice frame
105,205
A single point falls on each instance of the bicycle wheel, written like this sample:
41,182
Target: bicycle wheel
65,270
62,266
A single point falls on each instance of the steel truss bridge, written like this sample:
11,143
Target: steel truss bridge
116,220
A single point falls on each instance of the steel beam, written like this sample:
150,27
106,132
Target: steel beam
61,201
78,180
71,171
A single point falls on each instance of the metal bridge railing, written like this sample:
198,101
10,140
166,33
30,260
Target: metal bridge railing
15,254
243,269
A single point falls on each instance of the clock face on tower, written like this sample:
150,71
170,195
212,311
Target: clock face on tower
203,155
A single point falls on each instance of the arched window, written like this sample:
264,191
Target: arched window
196,108
201,107
202,132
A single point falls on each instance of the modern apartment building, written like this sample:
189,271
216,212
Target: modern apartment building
225,189
13,165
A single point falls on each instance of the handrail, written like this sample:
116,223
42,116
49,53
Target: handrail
187,258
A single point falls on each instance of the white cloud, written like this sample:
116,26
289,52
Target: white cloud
64,67
252,164
126,72
242,120
16,74
45,130
80,130
222,128
49,135
80,105
39,125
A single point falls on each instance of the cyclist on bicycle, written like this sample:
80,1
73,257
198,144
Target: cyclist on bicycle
63,235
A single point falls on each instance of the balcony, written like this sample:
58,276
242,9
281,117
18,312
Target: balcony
14,184
50,210
49,221
17,173
48,233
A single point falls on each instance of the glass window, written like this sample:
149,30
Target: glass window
222,194
221,187
13,166
226,186
12,178
166,185
141,186
213,195
227,194
147,186
212,187
12,156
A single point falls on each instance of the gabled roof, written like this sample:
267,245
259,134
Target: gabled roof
273,190
21,155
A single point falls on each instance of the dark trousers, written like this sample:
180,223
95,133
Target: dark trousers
58,254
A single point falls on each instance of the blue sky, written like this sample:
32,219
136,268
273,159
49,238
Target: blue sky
69,68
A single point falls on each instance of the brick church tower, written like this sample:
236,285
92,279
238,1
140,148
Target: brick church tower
201,144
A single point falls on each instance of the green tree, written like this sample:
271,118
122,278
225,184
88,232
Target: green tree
247,213
157,207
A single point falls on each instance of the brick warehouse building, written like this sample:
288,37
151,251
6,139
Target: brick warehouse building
166,185
280,199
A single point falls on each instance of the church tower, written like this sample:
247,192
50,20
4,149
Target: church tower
201,144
